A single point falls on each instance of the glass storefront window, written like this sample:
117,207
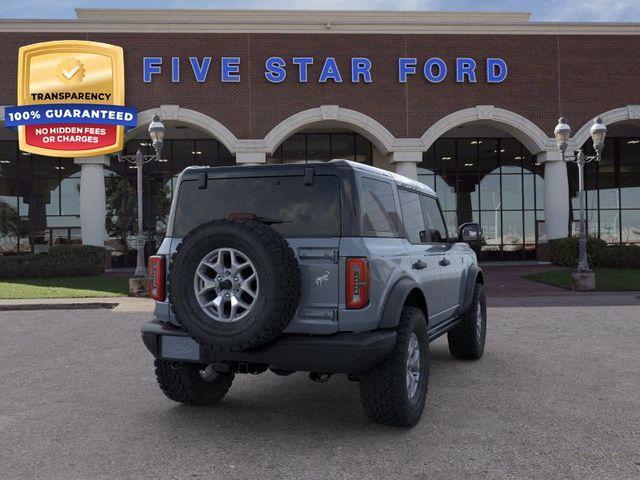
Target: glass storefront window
487,157
539,192
343,146
630,223
467,192
363,152
529,191
512,229
612,188
466,156
182,155
530,228
512,192
610,226
319,147
44,166
490,193
206,152
491,180
445,156
511,155
491,227
303,147
294,149
70,196
8,159
446,194
630,190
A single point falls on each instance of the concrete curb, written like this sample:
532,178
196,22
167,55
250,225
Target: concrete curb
57,306
114,304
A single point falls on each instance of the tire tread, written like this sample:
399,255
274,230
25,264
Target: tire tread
462,339
382,391
179,382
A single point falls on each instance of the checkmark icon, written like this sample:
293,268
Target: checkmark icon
71,73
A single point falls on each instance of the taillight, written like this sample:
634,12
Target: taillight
357,282
156,277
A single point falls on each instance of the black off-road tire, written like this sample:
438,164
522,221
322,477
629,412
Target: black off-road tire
467,339
182,382
277,270
383,390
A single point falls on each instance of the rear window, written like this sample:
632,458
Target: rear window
290,207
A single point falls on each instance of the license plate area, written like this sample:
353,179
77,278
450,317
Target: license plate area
179,348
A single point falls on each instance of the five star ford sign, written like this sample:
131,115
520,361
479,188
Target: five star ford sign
70,99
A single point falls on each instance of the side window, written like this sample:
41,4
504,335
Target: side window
436,229
380,215
412,216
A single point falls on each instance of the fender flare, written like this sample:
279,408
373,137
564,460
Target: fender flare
395,301
473,274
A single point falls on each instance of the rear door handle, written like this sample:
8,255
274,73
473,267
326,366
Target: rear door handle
419,265
444,262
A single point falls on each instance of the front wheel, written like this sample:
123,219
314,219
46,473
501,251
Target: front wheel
191,383
394,392
467,339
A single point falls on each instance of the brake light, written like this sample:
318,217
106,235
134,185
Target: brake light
357,282
156,277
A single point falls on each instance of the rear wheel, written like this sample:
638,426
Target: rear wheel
394,392
467,339
191,383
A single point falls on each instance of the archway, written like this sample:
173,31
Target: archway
485,170
521,128
185,116
328,116
612,186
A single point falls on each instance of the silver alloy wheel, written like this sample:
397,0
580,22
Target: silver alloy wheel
226,285
413,365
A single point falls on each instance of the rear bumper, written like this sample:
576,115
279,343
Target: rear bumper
338,353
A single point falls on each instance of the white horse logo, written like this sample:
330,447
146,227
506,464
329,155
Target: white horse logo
322,279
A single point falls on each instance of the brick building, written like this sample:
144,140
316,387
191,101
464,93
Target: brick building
465,102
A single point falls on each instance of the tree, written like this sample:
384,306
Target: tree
121,209
9,222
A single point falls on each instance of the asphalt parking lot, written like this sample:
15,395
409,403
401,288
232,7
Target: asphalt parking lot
557,395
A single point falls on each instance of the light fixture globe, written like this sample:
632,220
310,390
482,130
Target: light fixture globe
598,133
562,133
156,129
156,133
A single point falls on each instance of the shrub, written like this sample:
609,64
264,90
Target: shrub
618,256
564,252
61,261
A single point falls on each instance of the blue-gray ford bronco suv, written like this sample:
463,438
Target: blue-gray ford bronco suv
325,268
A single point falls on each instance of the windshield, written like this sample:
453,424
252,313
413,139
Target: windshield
289,206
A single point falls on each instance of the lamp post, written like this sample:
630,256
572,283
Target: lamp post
156,133
562,133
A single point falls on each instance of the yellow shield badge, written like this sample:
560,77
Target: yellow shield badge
71,99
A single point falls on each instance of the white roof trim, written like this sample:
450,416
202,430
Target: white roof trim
311,21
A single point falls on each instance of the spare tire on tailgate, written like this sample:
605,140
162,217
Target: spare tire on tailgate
234,285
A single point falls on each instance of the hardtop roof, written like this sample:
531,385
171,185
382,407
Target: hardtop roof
298,168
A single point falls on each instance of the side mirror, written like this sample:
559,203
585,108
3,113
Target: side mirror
469,232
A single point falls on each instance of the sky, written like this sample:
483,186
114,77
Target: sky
542,10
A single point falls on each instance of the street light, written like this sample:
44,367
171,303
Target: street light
156,133
562,133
